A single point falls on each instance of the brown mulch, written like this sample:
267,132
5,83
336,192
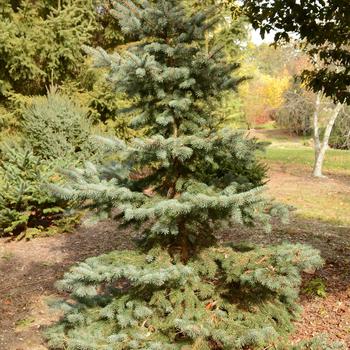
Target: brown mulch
28,271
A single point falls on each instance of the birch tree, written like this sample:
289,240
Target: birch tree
321,143
303,111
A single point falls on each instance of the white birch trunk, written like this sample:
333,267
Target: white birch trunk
322,146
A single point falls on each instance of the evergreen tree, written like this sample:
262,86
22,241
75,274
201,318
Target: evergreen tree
55,134
57,128
178,185
27,208
41,45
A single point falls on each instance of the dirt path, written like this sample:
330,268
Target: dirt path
28,270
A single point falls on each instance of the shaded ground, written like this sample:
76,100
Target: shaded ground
28,270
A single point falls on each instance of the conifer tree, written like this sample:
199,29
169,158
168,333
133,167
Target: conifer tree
57,129
27,208
54,133
178,185
41,45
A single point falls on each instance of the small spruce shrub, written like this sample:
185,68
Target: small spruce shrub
55,134
55,127
27,208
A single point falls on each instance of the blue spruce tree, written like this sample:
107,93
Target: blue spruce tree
177,185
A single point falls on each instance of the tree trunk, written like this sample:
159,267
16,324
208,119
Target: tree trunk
318,165
183,242
321,147
317,143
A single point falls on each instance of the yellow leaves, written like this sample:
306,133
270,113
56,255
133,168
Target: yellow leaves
263,95
272,90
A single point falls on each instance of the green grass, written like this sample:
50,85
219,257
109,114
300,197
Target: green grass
266,126
335,160
292,159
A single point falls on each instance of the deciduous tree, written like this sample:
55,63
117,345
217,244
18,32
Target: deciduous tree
323,25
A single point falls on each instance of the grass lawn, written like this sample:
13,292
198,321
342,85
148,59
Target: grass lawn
335,161
291,162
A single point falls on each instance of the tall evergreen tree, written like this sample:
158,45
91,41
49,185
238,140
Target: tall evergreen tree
178,185
41,44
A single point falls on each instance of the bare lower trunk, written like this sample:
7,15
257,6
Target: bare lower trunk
318,165
183,242
322,146
317,143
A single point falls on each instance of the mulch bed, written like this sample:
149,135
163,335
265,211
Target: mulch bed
28,271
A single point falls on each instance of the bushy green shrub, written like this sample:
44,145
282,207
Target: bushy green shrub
56,127
55,134
41,45
26,206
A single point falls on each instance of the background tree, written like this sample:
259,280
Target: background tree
304,112
41,45
271,73
321,144
324,26
340,136
178,184
295,114
262,97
